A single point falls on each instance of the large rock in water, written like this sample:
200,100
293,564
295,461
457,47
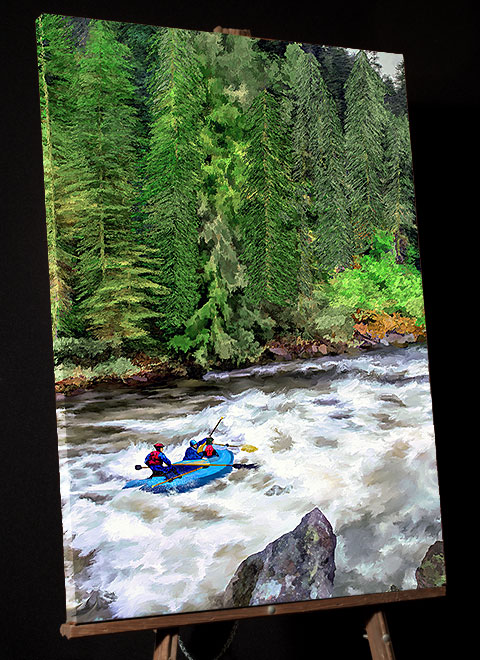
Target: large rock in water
431,572
297,566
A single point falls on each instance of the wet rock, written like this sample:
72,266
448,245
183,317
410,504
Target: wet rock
297,566
280,353
278,490
431,572
95,605
96,497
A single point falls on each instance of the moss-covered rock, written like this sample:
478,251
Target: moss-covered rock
431,572
297,566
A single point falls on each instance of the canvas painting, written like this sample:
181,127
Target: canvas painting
241,363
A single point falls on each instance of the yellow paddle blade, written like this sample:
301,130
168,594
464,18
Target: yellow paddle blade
249,448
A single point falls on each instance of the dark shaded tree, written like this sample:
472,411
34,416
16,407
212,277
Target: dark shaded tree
115,291
56,73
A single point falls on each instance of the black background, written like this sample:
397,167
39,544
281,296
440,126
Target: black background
439,42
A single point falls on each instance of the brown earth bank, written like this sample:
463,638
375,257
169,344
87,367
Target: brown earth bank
371,330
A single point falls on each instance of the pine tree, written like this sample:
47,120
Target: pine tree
114,286
269,217
318,165
56,72
336,65
364,141
172,170
396,98
399,192
224,327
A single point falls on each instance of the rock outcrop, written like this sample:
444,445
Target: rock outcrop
431,572
300,565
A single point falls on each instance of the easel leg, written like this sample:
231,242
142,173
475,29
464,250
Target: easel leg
379,638
166,642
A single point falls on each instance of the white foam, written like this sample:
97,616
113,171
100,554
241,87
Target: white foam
368,463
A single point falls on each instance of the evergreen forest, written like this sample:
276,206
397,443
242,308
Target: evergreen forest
210,195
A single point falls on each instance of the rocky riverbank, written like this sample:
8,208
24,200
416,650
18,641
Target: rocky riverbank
371,330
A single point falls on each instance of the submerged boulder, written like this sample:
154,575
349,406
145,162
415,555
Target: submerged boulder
297,566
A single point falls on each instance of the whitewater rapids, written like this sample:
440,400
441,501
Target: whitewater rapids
352,436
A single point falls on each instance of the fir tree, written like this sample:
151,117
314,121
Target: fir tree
364,141
224,328
269,216
396,98
336,65
319,164
399,193
56,72
115,289
173,164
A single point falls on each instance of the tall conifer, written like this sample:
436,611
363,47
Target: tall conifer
399,193
226,327
114,285
56,75
172,173
364,140
319,163
269,216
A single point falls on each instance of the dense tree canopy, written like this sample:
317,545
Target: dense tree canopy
206,192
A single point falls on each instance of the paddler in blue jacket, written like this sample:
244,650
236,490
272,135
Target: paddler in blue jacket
155,461
200,449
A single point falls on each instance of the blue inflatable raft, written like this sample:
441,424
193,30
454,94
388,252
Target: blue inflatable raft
192,474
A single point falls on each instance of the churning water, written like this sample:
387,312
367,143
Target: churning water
352,436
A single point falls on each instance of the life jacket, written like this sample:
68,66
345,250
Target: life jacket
209,451
154,458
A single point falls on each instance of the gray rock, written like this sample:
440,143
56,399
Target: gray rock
278,490
297,566
95,605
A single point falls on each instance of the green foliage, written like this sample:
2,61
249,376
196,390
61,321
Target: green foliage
225,328
318,318
114,284
82,351
319,163
399,194
120,367
119,307
56,70
380,283
203,190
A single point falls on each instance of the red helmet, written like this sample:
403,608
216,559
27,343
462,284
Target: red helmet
159,444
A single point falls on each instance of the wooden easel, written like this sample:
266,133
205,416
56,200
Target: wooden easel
166,627
381,648
166,643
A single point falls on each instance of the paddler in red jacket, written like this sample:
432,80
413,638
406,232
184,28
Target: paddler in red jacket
156,460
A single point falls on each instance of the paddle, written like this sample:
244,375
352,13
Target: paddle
178,476
215,427
249,448
237,466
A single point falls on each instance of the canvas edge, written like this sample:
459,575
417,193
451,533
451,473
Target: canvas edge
72,630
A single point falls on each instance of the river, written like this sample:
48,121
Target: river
351,435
